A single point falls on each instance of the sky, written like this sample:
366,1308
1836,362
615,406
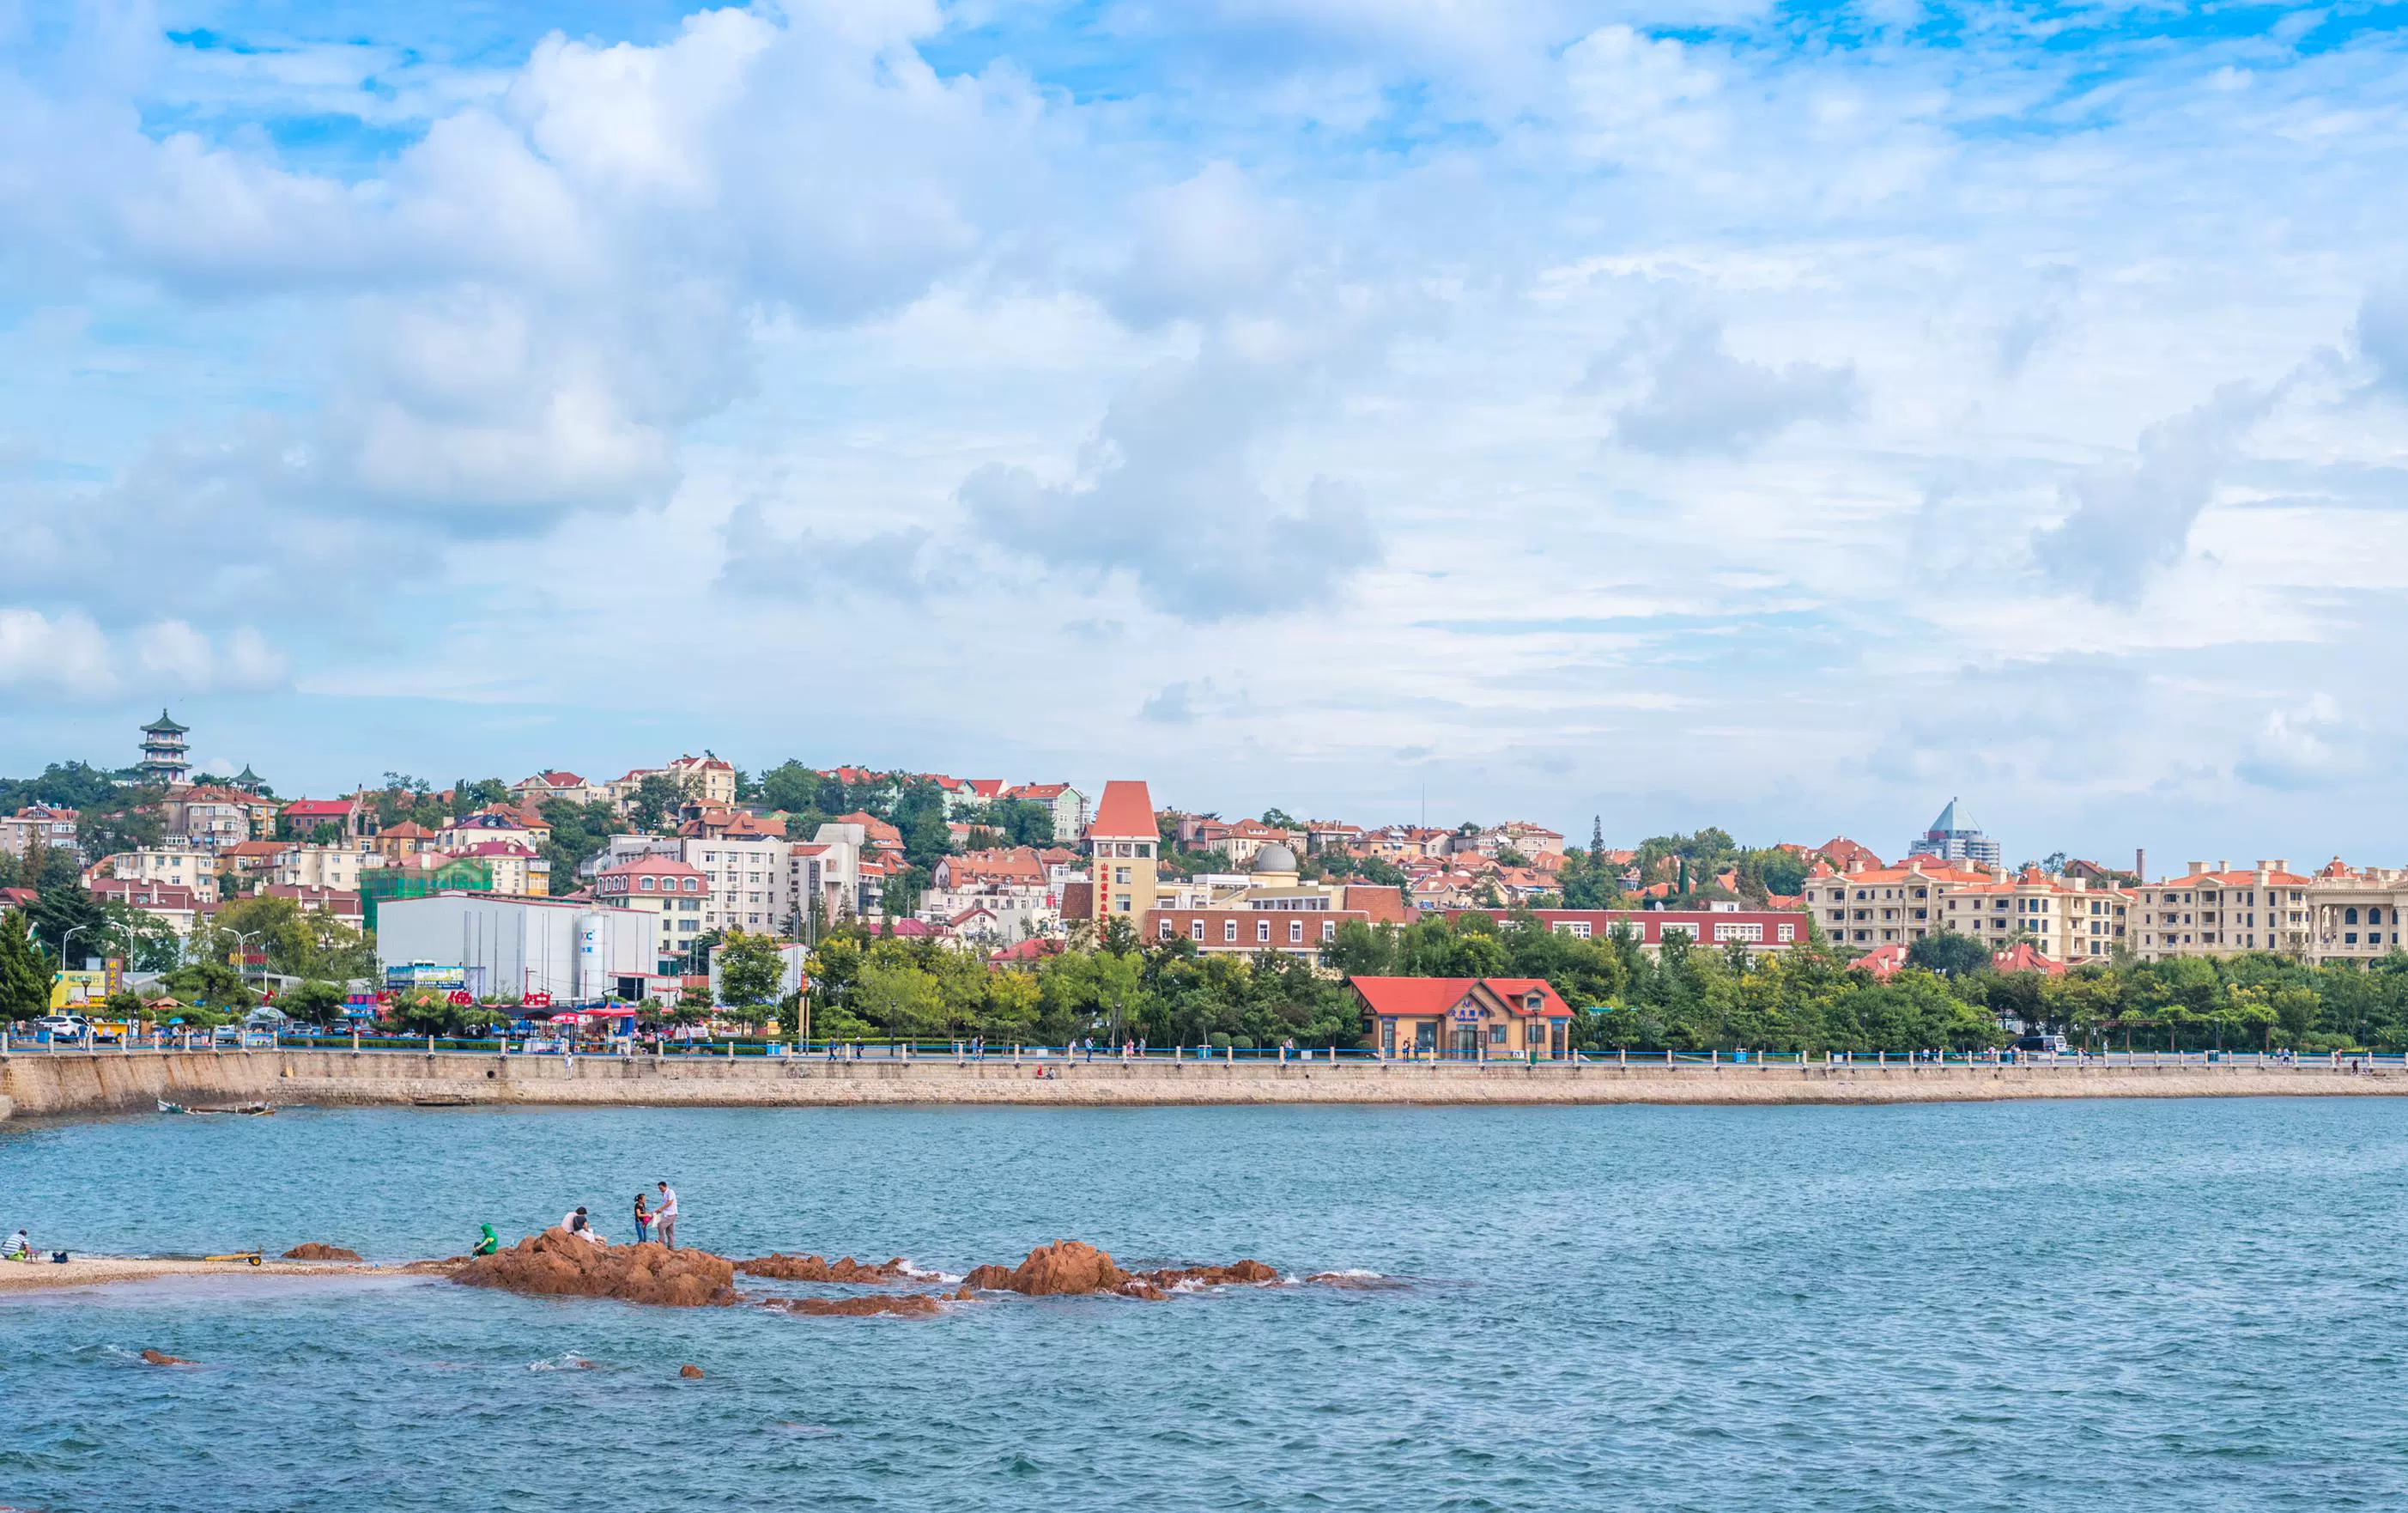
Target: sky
1661,413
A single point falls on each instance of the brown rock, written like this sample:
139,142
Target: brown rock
966,1294
908,1306
1236,1273
556,1263
812,1269
161,1358
691,1372
989,1279
1066,1268
315,1251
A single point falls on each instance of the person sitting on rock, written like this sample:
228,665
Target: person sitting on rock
488,1242
576,1223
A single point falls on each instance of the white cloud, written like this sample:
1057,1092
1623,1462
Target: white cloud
67,654
1693,396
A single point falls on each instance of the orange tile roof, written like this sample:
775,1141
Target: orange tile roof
1125,811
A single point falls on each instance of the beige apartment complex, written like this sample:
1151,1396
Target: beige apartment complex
2063,918
2215,910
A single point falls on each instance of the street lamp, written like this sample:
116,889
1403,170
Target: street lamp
241,939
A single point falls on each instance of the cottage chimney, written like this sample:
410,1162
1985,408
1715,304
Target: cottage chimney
2192,869
2140,863
2281,864
2222,864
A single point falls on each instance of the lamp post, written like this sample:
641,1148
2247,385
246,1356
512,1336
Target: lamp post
72,932
242,940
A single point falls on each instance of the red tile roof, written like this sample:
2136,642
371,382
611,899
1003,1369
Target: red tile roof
1124,812
1428,996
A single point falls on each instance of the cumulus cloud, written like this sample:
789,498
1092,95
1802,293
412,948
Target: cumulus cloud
2305,745
1166,493
1694,397
809,565
70,655
2382,334
2128,516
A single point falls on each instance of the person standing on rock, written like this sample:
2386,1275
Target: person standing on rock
643,1221
665,1216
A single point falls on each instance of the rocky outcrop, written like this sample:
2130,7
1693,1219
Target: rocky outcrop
556,1263
691,1372
1071,1267
1236,1273
786,1268
1066,1268
316,1251
1360,1281
907,1306
161,1358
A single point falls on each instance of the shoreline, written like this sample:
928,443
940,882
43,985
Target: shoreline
52,1084
103,1271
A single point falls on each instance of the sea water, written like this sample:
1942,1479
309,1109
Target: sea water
2141,1305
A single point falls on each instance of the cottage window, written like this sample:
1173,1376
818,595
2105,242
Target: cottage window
1496,1034
1262,932
1295,932
1228,932
1195,929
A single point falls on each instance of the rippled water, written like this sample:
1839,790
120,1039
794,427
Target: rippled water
2141,1305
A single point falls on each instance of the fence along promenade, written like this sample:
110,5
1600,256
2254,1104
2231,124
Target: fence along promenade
78,1078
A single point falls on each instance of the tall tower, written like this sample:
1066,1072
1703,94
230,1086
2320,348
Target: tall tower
163,761
1121,842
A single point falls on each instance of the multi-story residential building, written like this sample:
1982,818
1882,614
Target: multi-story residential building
216,819
1517,835
305,819
38,826
825,872
398,843
1242,839
327,867
2211,910
537,791
2353,912
1758,930
176,865
1069,807
518,870
749,879
1877,906
676,894
1013,888
706,778
1330,835
177,907
333,902
2065,919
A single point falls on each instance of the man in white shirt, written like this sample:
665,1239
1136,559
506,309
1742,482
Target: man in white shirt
665,1217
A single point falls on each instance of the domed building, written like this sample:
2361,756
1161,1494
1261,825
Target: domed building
1275,866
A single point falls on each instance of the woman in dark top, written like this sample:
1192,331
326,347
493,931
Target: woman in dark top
643,1221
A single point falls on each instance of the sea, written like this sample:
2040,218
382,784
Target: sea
2145,1304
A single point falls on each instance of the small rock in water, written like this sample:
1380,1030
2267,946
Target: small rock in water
691,1372
161,1358
909,1306
314,1250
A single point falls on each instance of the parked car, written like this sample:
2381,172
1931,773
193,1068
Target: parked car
61,1026
227,1035
2043,1043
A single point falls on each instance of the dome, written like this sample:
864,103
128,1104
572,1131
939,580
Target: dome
1274,857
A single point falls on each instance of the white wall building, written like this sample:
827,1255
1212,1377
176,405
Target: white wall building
511,947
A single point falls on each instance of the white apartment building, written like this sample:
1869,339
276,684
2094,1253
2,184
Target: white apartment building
751,880
2353,913
315,866
2212,911
180,866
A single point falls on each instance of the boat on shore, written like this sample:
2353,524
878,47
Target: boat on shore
166,1107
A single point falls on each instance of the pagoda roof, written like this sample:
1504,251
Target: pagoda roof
164,726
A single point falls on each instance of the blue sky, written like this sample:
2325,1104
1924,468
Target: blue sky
1779,416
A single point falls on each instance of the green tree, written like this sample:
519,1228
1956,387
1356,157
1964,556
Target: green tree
1949,954
750,968
317,1002
24,979
653,806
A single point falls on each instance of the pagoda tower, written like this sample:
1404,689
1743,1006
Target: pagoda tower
164,758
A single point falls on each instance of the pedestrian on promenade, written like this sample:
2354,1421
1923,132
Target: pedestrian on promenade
644,1220
664,1216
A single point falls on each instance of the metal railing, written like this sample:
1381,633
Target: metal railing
974,1053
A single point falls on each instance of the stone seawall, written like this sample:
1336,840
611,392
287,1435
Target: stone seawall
40,1083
